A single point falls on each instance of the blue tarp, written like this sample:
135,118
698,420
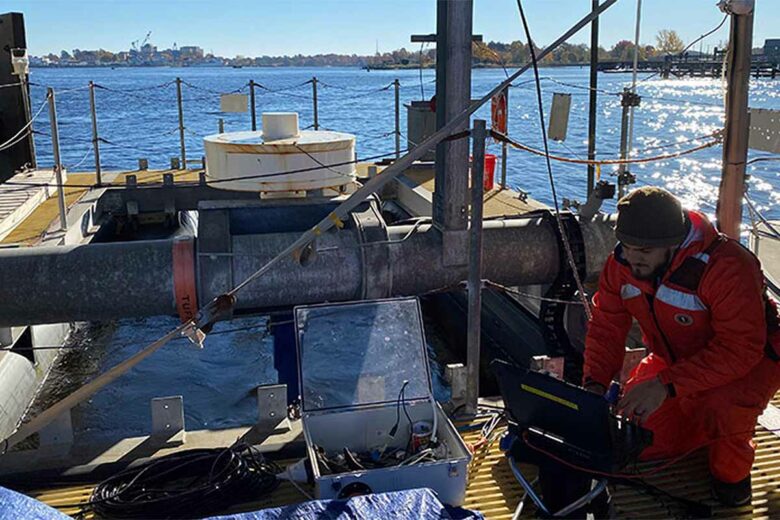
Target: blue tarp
16,505
418,504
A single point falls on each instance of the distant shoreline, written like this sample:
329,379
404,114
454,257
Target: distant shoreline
366,67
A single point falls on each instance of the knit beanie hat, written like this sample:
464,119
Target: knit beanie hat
650,217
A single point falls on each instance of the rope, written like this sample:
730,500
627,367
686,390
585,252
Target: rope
762,218
9,143
529,295
600,162
9,85
561,230
212,91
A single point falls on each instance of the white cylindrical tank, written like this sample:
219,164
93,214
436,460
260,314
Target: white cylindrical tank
281,158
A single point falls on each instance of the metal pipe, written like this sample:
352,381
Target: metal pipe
633,78
252,108
55,145
28,115
397,86
504,146
475,268
183,150
135,279
95,139
624,122
735,140
87,282
593,100
314,101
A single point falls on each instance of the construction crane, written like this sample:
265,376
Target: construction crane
146,40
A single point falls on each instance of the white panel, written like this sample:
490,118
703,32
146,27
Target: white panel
233,102
764,130
559,117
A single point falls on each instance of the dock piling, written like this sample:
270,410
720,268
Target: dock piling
55,145
475,266
95,139
181,124
314,100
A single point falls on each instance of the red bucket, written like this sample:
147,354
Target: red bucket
490,170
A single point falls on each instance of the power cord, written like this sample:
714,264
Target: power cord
187,484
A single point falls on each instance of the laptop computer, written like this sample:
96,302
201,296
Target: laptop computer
566,421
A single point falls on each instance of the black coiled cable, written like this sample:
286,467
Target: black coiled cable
188,484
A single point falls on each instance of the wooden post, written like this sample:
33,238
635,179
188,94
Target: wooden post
181,124
55,145
95,139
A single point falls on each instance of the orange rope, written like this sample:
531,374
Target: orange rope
514,144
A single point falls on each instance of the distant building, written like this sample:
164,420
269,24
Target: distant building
191,52
772,49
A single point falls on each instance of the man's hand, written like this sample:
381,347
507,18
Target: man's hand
595,388
642,400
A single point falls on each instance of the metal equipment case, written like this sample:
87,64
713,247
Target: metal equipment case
354,360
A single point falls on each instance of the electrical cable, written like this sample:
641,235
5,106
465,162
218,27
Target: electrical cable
562,231
187,484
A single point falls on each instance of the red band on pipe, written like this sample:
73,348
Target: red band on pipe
184,278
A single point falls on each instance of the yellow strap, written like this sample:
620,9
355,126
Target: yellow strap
598,172
336,221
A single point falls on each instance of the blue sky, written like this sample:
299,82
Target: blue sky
274,27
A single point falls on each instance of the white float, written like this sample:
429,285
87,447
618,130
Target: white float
281,158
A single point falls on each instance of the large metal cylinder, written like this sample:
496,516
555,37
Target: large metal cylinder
87,282
136,279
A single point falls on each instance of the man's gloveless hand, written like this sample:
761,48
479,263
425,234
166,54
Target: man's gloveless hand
642,400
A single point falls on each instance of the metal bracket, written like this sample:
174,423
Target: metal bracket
457,376
175,163
143,164
272,408
168,419
58,432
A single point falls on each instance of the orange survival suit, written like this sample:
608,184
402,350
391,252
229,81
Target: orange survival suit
713,338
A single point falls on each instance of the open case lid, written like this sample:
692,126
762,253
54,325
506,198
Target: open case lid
359,354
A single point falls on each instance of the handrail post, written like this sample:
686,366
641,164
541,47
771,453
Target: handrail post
95,138
181,124
504,144
314,99
252,104
397,85
478,134
55,145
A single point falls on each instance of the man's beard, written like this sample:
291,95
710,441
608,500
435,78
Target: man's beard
657,273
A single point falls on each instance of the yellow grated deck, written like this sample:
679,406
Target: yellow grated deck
493,491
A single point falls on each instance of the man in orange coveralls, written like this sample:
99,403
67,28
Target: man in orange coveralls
711,330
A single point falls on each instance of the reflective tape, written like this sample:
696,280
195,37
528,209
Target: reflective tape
704,257
630,291
679,299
